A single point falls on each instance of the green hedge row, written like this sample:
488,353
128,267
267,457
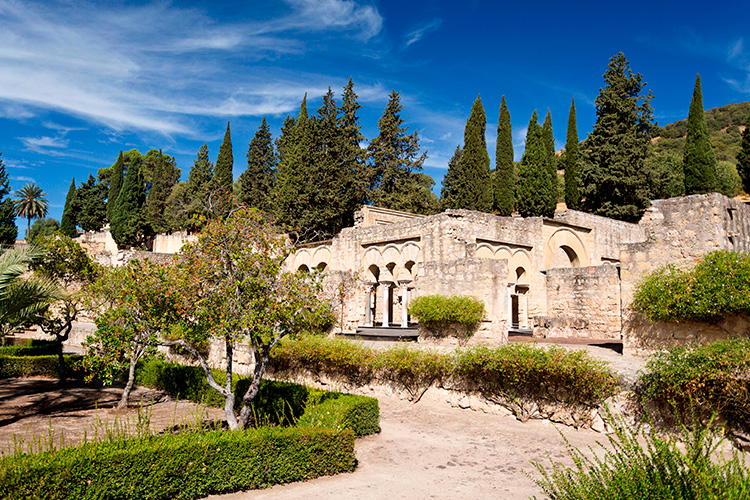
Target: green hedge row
40,366
509,371
277,403
32,348
183,466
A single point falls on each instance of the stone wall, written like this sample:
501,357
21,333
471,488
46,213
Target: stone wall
172,243
679,231
581,302
369,215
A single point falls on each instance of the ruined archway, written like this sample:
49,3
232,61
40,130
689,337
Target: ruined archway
565,249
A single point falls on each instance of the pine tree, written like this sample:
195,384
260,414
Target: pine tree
115,184
396,163
8,228
450,189
613,175
294,190
68,221
533,174
223,176
256,182
90,196
548,137
353,160
572,194
699,162
743,158
505,177
128,218
474,186
165,175
330,178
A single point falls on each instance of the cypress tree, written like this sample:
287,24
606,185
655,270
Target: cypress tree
450,189
331,178
115,184
128,220
165,175
68,221
90,196
613,168
223,176
294,190
256,182
8,228
353,156
533,174
743,158
548,137
699,162
397,165
475,185
572,195
505,177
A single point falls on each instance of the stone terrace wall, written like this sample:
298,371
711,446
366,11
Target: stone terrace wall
172,243
680,231
581,302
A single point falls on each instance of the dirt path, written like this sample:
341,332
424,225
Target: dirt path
431,450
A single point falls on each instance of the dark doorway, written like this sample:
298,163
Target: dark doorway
514,322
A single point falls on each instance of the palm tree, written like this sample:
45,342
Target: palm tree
31,202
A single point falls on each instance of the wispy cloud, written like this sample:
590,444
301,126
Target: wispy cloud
39,143
139,67
736,49
419,33
21,178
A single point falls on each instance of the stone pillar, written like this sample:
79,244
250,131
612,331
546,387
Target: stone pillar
404,303
368,303
386,286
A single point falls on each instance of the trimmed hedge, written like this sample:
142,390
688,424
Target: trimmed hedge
277,403
40,366
182,466
35,348
514,370
438,312
702,381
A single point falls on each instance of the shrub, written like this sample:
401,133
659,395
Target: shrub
358,413
438,312
43,349
707,380
179,466
39,366
717,286
413,370
647,465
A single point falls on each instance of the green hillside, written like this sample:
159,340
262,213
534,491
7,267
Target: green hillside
723,126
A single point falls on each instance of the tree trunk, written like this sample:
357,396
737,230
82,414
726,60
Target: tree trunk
129,385
229,395
61,362
261,362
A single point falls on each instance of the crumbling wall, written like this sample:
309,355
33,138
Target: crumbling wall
172,243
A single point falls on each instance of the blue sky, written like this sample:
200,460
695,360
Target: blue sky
81,80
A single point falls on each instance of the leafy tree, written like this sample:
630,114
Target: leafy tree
31,202
451,179
164,175
534,186
256,183
93,208
474,186
394,159
728,181
67,266
8,228
43,227
505,176
235,290
664,174
139,308
223,176
294,191
572,194
188,202
699,162
115,184
548,137
68,221
614,154
128,218
743,158
22,298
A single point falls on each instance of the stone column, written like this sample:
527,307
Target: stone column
368,303
404,302
386,286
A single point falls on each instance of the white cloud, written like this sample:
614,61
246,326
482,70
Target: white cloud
14,111
22,178
156,66
38,143
736,49
417,34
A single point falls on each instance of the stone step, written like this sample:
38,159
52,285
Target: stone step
380,333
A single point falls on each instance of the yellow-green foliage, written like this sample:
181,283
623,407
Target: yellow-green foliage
439,311
717,286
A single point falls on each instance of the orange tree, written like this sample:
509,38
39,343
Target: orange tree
235,290
136,307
